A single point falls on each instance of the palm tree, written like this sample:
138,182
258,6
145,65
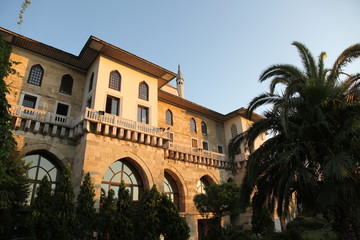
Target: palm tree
314,151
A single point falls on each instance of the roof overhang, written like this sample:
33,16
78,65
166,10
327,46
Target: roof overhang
92,49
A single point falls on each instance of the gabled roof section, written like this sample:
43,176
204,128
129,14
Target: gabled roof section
92,49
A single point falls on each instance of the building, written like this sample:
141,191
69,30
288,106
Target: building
116,115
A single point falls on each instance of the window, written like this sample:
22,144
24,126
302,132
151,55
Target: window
203,128
36,75
144,91
39,167
115,80
112,105
143,114
192,125
119,171
89,102
201,184
171,137
171,190
205,145
29,101
233,130
91,82
66,84
194,143
220,149
169,117
62,109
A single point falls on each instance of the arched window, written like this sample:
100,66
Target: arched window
171,190
203,128
119,171
66,84
115,80
144,91
41,165
201,184
192,125
36,75
233,130
169,117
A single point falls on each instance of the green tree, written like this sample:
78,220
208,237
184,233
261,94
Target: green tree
107,216
173,226
149,216
314,151
40,221
219,200
85,211
261,221
64,208
13,178
124,229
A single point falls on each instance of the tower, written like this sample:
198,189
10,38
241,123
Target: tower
180,83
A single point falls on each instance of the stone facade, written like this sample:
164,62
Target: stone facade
91,137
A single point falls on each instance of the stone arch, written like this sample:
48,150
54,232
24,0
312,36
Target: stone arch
48,149
137,162
181,185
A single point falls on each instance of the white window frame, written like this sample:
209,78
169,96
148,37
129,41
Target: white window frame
23,93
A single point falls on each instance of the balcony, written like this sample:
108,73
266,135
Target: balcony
187,153
38,121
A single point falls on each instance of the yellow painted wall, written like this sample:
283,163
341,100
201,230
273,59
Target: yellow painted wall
130,80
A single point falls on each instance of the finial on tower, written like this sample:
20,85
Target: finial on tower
180,83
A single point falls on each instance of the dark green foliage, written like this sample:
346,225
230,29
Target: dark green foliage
286,235
307,223
13,178
237,233
219,200
157,214
85,211
261,221
124,229
107,216
149,216
40,221
172,225
64,208
314,150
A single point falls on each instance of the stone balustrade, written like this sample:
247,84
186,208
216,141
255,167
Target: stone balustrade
196,155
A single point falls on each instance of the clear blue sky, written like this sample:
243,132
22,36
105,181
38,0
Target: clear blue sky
222,45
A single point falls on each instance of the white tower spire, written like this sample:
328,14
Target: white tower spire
180,83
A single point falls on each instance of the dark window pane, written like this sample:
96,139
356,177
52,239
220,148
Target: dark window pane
66,84
169,117
36,75
205,146
29,101
62,109
220,149
91,82
115,80
112,105
144,91
143,114
203,128
192,125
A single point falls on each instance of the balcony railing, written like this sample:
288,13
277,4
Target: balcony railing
196,151
41,116
117,121
90,115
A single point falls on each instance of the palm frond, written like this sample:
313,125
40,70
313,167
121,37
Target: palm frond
307,59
